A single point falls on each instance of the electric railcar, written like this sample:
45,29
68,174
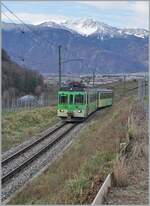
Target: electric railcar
76,103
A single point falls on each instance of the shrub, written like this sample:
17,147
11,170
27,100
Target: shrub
75,187
120,174
115,114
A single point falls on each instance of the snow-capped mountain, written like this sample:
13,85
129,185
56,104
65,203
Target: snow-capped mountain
83,26
52,25
104,48
89,27
136,32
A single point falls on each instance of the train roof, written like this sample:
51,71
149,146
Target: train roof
105,90
81,89
73,86
67,88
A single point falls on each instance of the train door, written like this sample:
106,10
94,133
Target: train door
87,99
71,102
97,99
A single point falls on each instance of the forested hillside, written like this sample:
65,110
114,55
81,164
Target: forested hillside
17,81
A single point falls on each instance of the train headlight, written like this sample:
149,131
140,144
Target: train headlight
61,110
79,111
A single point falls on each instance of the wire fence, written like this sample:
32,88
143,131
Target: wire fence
143,94
12,104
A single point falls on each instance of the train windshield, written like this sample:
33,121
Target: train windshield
79,99
63,99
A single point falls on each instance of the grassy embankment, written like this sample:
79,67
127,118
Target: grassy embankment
20,126
131,168
72,179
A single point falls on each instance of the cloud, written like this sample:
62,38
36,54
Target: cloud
105,4
135,13
33,18
139,6
141,15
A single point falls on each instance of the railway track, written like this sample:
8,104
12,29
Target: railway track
20,167
16,162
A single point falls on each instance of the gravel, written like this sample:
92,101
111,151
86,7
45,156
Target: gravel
23,157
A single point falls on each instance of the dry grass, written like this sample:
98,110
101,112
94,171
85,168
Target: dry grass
133,157
120,174
70,180
20,126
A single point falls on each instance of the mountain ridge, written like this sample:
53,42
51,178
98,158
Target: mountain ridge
88,26
125,50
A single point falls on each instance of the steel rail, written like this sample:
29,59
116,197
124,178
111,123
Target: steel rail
26,148
12,173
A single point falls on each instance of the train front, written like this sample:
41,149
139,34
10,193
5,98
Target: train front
71,103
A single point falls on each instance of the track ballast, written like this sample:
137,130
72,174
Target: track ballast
12,165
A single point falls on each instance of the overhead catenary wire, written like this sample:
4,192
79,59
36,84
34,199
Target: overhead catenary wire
23,32
33,32
20,20
8,17
32,63
27,26
23,57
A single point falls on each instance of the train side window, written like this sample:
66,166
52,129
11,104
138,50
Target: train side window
109,95
79,99
105,95
63,99
71,99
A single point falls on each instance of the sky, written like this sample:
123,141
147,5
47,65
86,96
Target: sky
122,14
